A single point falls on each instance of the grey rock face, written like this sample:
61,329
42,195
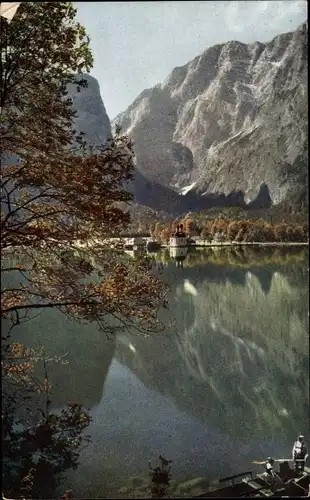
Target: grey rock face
91,117
234,119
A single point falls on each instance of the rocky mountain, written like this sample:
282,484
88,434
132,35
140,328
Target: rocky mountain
229,127
91,116
92,119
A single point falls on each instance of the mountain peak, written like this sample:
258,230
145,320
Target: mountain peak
231,120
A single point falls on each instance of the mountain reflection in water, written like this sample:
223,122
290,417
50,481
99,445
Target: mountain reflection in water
237,357
225,383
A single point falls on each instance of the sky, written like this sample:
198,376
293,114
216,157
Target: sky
137,44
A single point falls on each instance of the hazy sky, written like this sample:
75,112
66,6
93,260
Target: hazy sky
137,44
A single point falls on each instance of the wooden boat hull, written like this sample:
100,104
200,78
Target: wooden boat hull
245,485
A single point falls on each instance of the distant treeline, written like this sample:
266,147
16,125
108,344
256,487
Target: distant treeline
223,224
223,229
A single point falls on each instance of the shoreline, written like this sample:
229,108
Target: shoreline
89,244
244,243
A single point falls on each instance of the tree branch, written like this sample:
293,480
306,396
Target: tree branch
48,305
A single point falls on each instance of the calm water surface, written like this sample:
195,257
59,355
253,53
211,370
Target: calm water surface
226,383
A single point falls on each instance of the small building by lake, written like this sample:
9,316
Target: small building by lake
178,239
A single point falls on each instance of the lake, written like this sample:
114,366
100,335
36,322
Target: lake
226,382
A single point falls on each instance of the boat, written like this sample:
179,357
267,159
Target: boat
245,485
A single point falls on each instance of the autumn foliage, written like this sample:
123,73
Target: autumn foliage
224,230
57,191
61,199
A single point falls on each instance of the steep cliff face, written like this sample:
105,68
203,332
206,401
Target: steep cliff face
91,116
93,121
234,119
